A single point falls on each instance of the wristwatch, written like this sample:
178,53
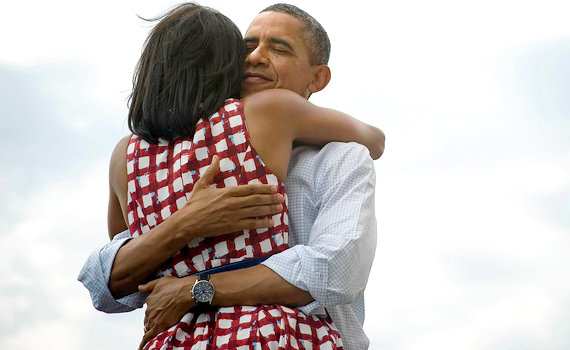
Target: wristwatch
203,290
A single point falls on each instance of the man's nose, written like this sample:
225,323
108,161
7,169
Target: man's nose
257,56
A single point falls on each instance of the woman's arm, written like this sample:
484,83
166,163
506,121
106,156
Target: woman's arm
208,212
292,115
132,266
117,210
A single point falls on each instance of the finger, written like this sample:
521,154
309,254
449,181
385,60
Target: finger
258,211
260,199
252,224
146,321
257,200
148,287
148,336
247,190
143,342
208,177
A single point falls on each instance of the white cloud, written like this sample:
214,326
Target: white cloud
42,253
464,258
473,245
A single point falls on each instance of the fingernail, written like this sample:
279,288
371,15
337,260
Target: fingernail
274,188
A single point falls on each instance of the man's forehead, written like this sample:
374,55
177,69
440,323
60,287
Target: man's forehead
275,24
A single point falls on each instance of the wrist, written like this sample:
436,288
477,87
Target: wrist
239,287
256,285
182,229
186,296
203,291
223,295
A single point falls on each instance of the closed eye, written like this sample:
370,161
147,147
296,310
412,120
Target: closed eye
281,46
251,44
281,51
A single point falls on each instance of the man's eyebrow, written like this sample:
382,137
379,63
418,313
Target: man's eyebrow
272,40
280,41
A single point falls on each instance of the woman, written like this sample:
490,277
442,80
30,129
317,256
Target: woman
191,68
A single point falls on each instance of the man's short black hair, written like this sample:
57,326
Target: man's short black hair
316,39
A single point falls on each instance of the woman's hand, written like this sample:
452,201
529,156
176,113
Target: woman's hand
169,299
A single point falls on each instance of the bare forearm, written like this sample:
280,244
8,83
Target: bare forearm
170,297
256,285
143,255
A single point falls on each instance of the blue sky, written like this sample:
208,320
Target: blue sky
473,192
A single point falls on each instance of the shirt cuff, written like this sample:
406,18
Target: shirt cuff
95,276
310,276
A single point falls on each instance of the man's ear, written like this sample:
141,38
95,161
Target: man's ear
321,78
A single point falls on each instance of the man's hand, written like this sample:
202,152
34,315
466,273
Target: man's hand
208,212
170,298
226,210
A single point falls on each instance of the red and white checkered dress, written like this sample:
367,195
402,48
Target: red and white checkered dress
160,179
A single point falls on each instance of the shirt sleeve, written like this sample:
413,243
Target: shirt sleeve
95,276
334,265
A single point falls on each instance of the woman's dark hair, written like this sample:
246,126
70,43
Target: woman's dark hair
192,61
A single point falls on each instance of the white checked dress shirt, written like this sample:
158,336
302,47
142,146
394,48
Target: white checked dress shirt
332,238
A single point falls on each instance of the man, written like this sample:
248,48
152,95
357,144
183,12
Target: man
331,210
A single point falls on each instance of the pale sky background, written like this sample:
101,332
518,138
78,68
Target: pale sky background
472,196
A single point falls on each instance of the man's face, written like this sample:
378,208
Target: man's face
277,56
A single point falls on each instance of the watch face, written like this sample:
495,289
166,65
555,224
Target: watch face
203,291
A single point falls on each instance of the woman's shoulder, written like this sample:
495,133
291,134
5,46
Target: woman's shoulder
118,165
272,100
120,151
